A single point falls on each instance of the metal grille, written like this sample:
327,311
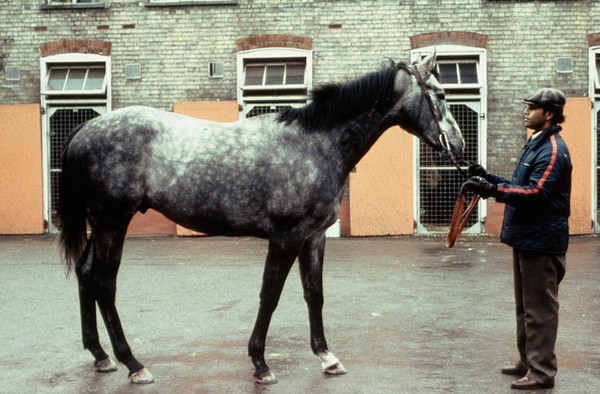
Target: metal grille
265,109
62,121
439,181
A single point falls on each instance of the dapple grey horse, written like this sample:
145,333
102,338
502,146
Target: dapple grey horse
277,176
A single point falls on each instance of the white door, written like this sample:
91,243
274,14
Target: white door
439,181
60,120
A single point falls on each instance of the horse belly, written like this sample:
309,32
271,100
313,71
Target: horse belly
248,203
217,217
212,204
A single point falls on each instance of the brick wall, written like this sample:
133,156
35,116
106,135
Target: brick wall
175,44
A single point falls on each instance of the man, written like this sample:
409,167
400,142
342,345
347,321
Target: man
536,227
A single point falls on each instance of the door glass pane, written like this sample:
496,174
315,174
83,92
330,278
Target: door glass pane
75,79
254,75
468,73
95,79
56,79
448,73
597,72
295,74
275,75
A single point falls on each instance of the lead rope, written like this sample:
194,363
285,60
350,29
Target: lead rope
460,216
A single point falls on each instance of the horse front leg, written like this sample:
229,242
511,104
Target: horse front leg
311,273
280,259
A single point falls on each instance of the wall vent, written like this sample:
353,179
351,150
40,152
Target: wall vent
12,73
215,69
133,71
564,65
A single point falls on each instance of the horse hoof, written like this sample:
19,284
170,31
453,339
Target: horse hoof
143,376
336,369
330,363
106,365
266,378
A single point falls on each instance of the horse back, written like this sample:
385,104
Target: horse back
235,178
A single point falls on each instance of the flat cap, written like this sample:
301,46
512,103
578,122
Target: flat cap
547,98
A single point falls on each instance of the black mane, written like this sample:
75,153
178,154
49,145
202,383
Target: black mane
333,104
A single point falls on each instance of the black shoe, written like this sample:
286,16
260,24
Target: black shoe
526,383
514,371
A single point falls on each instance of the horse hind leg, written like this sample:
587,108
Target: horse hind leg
311,273
87,306
100,278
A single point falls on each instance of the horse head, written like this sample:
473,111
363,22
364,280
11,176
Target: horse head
422,110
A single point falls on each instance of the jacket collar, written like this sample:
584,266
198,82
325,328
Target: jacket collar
545,134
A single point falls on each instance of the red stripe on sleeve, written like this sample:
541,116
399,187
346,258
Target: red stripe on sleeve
544,177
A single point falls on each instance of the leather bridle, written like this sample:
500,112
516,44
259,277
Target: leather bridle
421,80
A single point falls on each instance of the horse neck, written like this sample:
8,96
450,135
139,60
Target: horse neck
358,136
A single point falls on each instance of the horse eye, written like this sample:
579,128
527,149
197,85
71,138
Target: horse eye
441,95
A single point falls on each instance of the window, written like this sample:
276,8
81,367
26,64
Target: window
85,79
65,2
272,75
458,73
597,75
189,2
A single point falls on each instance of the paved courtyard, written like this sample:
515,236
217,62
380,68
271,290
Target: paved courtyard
404,315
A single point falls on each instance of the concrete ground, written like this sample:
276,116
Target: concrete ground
404,315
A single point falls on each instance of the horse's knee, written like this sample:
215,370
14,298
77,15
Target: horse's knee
313,293
269,299
314,298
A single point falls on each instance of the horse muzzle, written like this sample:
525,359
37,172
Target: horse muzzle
452,143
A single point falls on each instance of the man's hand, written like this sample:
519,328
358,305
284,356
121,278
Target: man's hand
477,170
480,186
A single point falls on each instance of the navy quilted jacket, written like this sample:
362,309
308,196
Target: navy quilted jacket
538,196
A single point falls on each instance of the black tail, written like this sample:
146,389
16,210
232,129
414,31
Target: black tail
71,213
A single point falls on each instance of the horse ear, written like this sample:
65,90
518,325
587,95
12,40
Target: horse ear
386,62
429,62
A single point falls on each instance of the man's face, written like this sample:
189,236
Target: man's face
536,118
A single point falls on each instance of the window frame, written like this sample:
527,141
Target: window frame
69,92
178,3
292,93
102,95
595,68
53,5
459,84
73,2
264,85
